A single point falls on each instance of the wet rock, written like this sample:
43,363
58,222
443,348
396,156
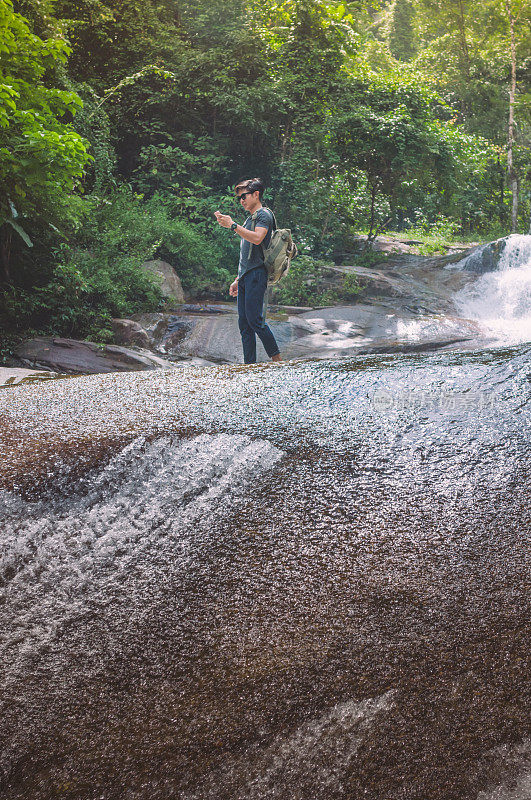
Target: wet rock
199,308
213,337
386,325
11,376
485,258
171,284
164,332
128,332
81,357
275,308
372,328
405,304
394,246
154,324
377,281
409,280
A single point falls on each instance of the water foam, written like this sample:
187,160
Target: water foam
500,301
518,759
312,760
142,510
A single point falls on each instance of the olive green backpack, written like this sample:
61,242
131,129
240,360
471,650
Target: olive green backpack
280,251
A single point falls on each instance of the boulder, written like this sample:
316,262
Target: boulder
129,332
486,258
171,284
80,357
164,331
214,337
483,259
154,323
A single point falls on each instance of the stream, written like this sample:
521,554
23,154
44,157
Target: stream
303,580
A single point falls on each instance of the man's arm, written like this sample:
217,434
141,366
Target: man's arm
255,237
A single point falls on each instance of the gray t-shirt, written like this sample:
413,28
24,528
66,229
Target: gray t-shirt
264,219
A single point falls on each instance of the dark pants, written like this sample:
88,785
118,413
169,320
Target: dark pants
251,290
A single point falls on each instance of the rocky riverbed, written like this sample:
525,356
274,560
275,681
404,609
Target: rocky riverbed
298,580
407,304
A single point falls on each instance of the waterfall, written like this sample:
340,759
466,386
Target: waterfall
500,301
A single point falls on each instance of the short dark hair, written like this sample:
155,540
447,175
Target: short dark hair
252,185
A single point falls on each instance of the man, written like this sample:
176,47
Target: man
251,283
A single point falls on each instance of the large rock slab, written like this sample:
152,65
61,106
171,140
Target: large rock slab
373,328
483,259
393,245
171,283
81,357
197,333
12,376
406,304
215,338
377,327
418,280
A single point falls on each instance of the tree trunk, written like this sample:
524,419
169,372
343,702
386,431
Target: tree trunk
5,252
368,244
285,140
501,204
465,55
515,186
513,180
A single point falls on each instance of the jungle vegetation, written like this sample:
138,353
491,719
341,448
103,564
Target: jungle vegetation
124,125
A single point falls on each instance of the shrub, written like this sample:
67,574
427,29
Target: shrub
307,284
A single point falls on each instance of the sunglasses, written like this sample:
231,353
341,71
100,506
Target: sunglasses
242,196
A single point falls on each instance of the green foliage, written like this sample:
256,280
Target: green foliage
77,302
311,282
465,53
401,35
41,155
360,117
98,276
121,231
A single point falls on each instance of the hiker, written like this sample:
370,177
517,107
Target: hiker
251,283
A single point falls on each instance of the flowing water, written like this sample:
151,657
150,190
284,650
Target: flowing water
501,300
303,580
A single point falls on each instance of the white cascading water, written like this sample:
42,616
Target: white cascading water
150,495
500,301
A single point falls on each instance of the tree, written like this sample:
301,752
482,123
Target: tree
402,140
401,34
513,178
477,56
40,153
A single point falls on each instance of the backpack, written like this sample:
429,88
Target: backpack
281,249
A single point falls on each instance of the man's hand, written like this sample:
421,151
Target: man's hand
224,219
233,288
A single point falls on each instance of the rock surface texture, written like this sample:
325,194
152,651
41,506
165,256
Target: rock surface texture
406,304
12,376
171,284
72,356
484,258
127,332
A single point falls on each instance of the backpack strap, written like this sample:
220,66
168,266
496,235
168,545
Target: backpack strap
275,226
253,226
